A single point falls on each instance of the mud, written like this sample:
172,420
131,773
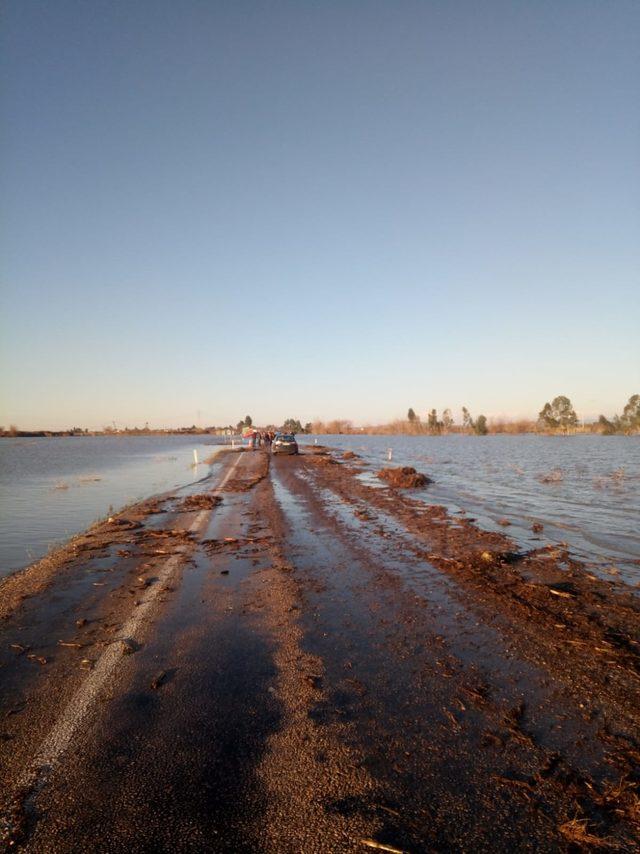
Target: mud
404,477
202,501
332,666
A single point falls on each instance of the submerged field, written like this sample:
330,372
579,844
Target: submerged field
52,488
584,490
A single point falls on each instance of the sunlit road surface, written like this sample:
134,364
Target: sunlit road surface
294,668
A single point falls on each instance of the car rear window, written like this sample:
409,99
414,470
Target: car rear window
287,438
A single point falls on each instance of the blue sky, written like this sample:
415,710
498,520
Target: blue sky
336,209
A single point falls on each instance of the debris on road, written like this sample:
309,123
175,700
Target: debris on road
404,477
127,646
408,642
158,680
380,846
203,501
18,648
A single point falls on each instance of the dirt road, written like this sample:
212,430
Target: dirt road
288,657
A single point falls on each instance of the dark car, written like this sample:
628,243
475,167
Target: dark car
284,443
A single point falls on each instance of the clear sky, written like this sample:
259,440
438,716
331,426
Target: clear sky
317,209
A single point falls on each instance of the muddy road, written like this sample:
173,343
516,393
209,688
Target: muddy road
292,655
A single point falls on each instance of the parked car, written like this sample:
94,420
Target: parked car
284,443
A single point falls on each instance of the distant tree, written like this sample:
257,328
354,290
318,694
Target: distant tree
433,424
566,413
628,422
467,420
631,414
547,419
558,415
411,415
481,425
292,425
608,429
308,427
338,426
248,421
447,420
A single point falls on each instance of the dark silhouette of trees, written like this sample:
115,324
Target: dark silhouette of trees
608,428
292,425
627,423
631,414
433,424
558,415
411,415
480,426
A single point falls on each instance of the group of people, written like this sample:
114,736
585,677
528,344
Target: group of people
260,439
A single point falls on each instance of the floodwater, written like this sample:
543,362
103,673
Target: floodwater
584,490
52,488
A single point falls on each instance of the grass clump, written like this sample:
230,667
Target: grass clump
404,477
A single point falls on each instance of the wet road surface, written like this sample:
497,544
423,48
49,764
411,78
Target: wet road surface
285,670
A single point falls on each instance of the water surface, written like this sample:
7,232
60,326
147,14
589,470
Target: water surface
52,488
585,490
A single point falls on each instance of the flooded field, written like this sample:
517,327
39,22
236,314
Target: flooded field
583,490
53,488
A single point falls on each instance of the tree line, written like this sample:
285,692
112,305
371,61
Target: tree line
627,423
290,425
557,416
435,425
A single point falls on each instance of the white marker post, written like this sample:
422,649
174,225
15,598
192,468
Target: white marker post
195,458
389,454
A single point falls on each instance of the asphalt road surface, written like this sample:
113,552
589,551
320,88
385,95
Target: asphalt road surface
287,658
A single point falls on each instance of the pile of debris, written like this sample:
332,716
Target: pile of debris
203,501
322,460
404,477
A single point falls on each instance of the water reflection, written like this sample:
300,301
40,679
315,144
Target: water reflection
52,488
583,490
